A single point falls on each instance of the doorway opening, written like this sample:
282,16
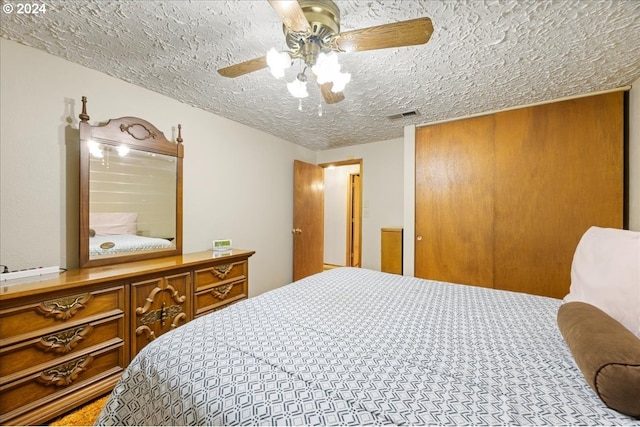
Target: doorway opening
342,214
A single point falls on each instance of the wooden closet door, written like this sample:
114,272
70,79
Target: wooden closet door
559,170
454,201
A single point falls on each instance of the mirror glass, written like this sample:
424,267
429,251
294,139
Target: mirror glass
132,201
130,192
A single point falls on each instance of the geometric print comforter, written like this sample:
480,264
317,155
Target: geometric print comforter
358,347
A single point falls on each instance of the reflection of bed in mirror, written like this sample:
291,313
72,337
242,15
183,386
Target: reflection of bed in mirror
116,233
125,243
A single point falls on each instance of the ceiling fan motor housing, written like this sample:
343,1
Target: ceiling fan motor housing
324,19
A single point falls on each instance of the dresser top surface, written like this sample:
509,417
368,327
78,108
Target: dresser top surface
16,288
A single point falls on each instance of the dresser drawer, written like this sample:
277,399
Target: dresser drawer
53,382
47,348
219,295
218,274
59,313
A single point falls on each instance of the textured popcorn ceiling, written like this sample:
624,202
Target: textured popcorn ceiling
483,56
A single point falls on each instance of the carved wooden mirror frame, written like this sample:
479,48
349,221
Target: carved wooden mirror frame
136,134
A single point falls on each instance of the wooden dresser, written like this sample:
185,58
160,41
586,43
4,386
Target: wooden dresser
65,340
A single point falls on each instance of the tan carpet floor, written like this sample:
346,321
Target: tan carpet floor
84,416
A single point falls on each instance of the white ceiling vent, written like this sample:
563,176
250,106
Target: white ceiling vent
405,115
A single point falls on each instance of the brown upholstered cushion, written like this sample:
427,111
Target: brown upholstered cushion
606,352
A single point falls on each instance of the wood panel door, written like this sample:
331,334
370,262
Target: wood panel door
559,170
308,219
354,221
454,202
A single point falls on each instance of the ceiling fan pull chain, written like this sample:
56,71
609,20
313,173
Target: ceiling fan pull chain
299,104
319,110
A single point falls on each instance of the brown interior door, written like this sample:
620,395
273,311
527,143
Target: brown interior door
308,219
354,232
454,202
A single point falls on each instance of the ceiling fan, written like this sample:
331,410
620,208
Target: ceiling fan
312,33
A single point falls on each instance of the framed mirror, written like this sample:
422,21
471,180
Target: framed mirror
130,191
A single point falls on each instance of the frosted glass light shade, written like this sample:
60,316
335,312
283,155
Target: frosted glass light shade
278,62
340,81
326,67
298,89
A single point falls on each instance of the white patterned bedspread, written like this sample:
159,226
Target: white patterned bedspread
355,347
125,243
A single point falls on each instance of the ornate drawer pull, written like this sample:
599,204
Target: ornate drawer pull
160,315
152,295
175,312
148,333
65,341
221,271
180,317
221,291
65,374
64,308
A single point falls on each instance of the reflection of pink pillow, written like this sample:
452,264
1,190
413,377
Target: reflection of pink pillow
606,273
106,224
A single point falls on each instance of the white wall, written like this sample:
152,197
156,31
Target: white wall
382,190
229,191
336,186
409,202
634,156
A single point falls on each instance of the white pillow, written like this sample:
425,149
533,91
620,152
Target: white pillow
606,273
109,223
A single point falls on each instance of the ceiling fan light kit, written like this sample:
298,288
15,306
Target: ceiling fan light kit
312,33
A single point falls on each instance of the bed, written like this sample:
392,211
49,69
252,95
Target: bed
353,346
112,233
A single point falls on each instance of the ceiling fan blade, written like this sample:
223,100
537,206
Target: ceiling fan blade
403,33
291,14
245,67
329,96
